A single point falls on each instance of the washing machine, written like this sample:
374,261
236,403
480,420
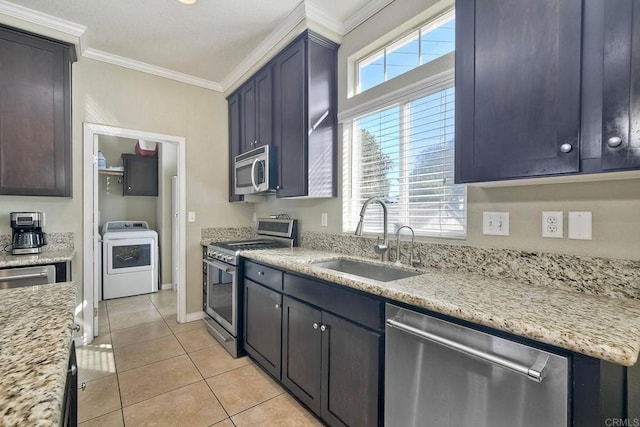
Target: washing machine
129,259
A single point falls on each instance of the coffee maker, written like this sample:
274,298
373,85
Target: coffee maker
26,233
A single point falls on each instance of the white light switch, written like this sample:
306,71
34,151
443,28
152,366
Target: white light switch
192,216
580,225
323,219
495,223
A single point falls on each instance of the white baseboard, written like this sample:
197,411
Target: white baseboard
166,286
191,317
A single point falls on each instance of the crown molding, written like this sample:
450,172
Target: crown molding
44,20
121,61
364,13
291,21
318,15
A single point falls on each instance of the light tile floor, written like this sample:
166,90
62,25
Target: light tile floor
145,369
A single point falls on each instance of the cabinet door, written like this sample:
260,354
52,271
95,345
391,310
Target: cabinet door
140,175
233,103
35,116
263,326
301,352
621,85
264,108
290,124
248,135
517,88
351,389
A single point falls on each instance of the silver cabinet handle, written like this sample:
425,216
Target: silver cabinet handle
614,141
277,187
277,306
566,147
323,328
77,327
535,372
260,273
315,325
83,386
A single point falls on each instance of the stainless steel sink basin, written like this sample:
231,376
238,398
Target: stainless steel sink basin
381,273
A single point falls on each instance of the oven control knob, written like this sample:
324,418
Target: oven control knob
228,258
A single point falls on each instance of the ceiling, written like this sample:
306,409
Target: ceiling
207,40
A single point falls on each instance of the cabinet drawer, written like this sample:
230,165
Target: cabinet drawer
362,309
267,276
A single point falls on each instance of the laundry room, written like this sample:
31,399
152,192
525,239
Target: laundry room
135,194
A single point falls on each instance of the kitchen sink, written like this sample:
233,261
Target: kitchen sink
381,273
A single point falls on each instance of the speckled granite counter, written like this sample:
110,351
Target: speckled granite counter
599,326
48,257
35,334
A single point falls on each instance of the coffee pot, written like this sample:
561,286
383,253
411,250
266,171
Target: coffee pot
27,236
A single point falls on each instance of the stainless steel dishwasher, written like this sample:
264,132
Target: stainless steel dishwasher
27,276
438,373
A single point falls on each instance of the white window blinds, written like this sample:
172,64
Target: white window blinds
404,154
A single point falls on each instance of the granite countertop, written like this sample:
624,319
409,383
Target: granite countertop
35,337
47,257
598,326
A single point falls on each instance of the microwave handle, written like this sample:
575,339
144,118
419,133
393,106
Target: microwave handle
253,171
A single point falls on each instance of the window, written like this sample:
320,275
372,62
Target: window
431,41
404,154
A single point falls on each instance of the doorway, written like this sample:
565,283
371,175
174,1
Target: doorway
174,223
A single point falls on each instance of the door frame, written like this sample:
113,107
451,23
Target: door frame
91,131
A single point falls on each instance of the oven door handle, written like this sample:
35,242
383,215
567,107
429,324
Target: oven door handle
220,265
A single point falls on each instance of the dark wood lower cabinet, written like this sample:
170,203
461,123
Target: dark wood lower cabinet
351,387
263,326
332,365
301,351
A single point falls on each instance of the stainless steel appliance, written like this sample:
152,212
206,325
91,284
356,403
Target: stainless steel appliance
255,171
27,276
438,373
221,291
26,233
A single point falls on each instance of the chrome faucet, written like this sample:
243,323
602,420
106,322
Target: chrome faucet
413,236
380,248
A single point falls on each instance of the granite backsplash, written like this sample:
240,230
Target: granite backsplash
596,276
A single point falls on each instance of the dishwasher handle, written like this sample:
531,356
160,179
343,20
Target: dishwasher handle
535,373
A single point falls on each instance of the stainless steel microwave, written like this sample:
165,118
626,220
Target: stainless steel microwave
255,171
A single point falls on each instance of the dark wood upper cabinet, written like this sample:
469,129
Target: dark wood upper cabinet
291,103
517,88
233,103
140,175
305,117
35,115
620,142
256,116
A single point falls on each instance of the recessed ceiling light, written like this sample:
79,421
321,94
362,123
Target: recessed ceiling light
188,1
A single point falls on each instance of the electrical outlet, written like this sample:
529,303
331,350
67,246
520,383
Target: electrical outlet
323,219
552,225
495,223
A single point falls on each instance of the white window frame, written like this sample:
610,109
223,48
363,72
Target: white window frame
381,52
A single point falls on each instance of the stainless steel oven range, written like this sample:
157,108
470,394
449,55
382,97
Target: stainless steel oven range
222,299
